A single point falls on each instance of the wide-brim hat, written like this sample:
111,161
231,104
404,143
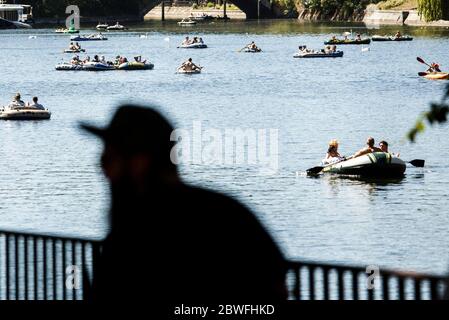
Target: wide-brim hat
136,129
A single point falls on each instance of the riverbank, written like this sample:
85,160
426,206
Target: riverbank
399,17
177,13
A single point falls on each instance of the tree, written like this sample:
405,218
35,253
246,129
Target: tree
432,10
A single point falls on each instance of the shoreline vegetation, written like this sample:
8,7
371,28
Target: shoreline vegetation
388,12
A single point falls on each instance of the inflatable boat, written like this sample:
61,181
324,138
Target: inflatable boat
92,37
181,70
65,66
187,22
116,27
193,46
74,51
387,38
136,66
97,66
24,113
252,50
349,41
336,54
377,164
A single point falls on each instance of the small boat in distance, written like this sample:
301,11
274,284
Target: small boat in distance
24,113
187,22
391,38
102,26
91,37
324,53
116,27
64,30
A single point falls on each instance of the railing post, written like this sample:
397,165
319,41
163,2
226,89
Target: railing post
224,9
258,9
163,11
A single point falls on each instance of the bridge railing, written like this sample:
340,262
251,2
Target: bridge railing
43,267
322,281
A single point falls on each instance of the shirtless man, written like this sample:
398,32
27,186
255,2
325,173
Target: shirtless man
189,65
370,148
186,41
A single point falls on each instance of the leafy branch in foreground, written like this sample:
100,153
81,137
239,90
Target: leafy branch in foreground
437,114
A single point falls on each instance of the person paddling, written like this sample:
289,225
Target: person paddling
434,67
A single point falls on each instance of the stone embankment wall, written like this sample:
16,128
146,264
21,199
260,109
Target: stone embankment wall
184,12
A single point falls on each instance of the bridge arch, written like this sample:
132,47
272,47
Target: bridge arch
249,7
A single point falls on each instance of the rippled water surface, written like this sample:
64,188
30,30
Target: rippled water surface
51,182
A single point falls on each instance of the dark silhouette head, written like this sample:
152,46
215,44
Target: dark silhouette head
35,99
190,59
370,142
137,147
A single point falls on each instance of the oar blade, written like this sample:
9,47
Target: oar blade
420,60
314,170
417,163
422,74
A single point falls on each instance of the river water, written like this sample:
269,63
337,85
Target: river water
51,181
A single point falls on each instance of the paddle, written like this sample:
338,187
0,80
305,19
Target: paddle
422,74
242,48
417,163
422,61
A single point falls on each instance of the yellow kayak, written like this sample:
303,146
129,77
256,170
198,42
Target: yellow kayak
437,76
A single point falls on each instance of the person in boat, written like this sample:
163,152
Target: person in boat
200,40
17,102
333,48
186,41
87,59
75,60
370,148
103,59
36,104
195,40
358,37
252,46
189,65
398,35
72,47
383,145
345,38
96,58
332,155
77,46
334,38
434,67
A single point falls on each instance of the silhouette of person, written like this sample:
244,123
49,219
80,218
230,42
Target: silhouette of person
170,240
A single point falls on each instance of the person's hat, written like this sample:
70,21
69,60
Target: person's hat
135,129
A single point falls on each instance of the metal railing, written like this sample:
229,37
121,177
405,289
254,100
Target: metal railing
321,281
42,267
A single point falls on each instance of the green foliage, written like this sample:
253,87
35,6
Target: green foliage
432,10
437,114
328,7
210,4
385,5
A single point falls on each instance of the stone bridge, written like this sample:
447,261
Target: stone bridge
252,8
